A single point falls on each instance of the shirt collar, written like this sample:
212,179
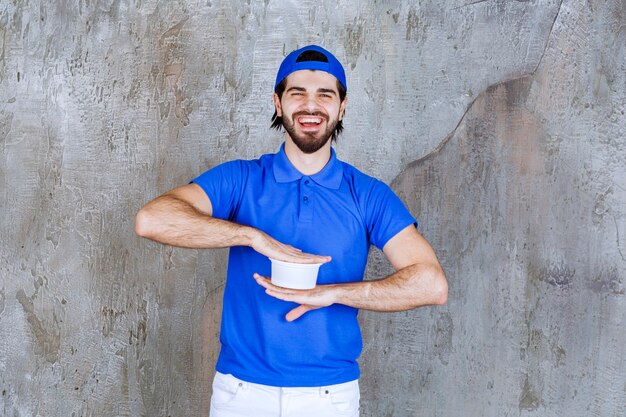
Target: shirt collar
330,176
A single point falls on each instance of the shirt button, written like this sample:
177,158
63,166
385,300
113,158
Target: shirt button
306,198
306,182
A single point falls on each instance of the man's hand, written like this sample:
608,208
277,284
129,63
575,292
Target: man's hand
270,247
418,281
318,297
183,217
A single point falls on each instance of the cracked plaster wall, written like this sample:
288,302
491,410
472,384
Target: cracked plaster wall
501,123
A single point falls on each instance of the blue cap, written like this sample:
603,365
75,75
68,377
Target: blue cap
290,64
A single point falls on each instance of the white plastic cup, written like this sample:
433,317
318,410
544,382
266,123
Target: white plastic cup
293,275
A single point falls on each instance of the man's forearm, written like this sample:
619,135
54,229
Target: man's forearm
174,221
414,286
410,287
188,228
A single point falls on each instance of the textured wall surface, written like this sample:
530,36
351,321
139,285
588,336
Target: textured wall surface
500,123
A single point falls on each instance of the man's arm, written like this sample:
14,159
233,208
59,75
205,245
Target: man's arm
182,217
418,281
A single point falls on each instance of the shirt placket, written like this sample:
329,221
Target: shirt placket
306,199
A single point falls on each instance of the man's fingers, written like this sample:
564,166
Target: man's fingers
263,281
287,253
284,294
297,312
303,258
295,249
287,294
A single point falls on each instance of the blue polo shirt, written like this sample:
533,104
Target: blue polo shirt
338,212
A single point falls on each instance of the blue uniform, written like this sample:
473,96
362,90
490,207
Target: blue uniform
337,212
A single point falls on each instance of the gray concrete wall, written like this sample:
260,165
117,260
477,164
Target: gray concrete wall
500,123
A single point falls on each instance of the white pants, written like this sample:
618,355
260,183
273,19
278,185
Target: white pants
233,397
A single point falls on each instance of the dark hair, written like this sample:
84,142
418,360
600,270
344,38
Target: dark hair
277,122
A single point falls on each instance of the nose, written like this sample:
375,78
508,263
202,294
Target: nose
311,104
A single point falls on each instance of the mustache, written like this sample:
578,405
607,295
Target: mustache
308,113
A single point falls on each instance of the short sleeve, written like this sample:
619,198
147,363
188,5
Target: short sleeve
385,214
224,185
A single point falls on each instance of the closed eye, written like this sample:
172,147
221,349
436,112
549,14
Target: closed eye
325,92
296,91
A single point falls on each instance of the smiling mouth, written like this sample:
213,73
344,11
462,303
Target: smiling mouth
310,121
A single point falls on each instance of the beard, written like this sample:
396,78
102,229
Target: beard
310,142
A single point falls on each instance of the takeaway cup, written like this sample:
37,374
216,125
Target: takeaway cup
293,275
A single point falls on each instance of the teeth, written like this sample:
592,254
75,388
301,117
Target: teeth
310,120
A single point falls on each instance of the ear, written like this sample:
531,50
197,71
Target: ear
342,107
279,109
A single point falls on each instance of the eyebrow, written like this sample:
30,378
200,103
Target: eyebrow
326,90
319,90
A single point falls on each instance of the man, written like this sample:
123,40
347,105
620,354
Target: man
293,352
